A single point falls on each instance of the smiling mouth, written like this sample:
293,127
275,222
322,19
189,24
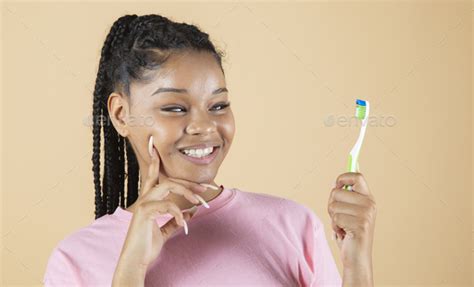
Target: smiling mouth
201,158
199,153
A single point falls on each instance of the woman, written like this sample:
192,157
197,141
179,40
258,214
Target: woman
162,100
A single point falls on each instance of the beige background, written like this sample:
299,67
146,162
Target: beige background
291,69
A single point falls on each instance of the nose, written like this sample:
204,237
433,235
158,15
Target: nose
201,124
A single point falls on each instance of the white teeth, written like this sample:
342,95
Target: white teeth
198,152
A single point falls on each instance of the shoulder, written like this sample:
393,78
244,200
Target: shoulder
69,261
98,234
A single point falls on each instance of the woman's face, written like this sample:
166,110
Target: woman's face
182,105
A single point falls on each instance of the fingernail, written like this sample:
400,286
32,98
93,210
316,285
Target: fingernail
210,186
185,227
150,146
202,201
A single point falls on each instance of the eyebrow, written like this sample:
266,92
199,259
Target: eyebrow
174,90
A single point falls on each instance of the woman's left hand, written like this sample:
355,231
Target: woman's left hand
353,220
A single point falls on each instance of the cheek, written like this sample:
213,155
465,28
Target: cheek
167,135
227,128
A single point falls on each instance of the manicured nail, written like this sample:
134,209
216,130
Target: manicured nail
202,201
185,227
150,146
210,186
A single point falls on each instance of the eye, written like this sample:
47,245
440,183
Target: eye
170,109
218,107
222,106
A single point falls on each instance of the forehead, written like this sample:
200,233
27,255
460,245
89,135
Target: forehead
197,72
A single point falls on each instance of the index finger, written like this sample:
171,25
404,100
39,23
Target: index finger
153,168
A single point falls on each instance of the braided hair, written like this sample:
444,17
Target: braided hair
134,44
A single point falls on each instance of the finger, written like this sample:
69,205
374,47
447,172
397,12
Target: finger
152,207
162,190
350,223
337,231
157,192
346,208
189,184
338,194
171,226
153,168
355,179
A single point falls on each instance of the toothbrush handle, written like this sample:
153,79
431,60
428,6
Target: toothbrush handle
350,169
349,187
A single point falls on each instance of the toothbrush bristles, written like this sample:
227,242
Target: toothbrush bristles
360,109
360,102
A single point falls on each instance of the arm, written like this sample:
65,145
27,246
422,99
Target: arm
326,273
361,277
127,274
353,216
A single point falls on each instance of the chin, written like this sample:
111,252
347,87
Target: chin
198,174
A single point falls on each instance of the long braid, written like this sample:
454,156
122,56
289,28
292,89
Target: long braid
121,170
130,47
109,166
99,91
102,88
112,163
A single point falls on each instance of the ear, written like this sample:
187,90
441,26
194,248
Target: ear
118,109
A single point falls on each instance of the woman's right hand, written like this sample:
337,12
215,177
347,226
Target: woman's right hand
145,238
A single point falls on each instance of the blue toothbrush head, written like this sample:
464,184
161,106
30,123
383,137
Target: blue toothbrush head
361,112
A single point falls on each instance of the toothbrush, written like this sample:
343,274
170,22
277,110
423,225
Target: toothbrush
362,113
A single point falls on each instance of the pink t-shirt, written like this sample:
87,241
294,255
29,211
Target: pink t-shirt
243,239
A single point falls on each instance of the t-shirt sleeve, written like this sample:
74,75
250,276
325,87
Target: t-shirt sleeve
325,268
60,270
318,256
